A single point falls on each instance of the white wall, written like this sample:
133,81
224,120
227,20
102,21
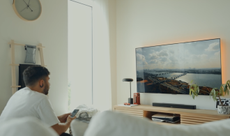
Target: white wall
113,51
50,30
112,42
104,56
155,22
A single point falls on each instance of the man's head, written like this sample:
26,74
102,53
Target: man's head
37,77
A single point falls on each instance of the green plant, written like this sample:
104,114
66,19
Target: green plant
224,89
194,90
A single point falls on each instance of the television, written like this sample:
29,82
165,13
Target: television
21,69
172,68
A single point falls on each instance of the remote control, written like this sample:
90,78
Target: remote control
74,113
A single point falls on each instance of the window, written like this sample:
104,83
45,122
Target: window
80,53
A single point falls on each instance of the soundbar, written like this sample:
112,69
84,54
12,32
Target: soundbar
171,105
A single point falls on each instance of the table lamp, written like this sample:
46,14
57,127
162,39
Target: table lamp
130,100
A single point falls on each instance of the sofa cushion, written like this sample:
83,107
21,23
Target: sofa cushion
110,123
26,126
78,128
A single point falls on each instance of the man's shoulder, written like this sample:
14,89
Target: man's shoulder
30,94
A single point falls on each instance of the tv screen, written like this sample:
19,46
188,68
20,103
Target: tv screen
21,69
171,68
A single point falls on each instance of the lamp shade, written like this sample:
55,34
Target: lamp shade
127,80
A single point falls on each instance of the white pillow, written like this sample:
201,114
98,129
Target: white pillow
111,123
27,126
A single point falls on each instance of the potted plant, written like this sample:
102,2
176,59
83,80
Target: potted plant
215,93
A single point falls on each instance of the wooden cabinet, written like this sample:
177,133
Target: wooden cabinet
187,116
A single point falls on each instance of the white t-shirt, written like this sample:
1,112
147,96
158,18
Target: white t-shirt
26,102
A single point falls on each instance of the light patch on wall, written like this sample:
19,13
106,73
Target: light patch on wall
223,59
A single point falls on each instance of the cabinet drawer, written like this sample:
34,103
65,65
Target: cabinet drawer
132,112
190,119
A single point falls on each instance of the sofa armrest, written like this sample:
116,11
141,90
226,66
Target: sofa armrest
78,128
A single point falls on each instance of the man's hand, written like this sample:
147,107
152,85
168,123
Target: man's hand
70,119
62,127
63,118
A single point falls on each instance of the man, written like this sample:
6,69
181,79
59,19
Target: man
32,101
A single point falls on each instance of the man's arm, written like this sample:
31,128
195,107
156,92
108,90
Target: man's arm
62,127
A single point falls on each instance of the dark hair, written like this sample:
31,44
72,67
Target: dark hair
34,73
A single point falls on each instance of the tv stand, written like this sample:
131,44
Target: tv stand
187,116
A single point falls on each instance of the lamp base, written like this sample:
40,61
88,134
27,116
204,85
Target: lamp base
130,100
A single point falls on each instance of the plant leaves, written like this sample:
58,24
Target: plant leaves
194,90
214,93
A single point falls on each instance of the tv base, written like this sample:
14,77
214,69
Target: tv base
171,105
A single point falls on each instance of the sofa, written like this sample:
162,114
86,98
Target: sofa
110,123
27,126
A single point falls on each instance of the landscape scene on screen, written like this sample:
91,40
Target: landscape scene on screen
173,68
